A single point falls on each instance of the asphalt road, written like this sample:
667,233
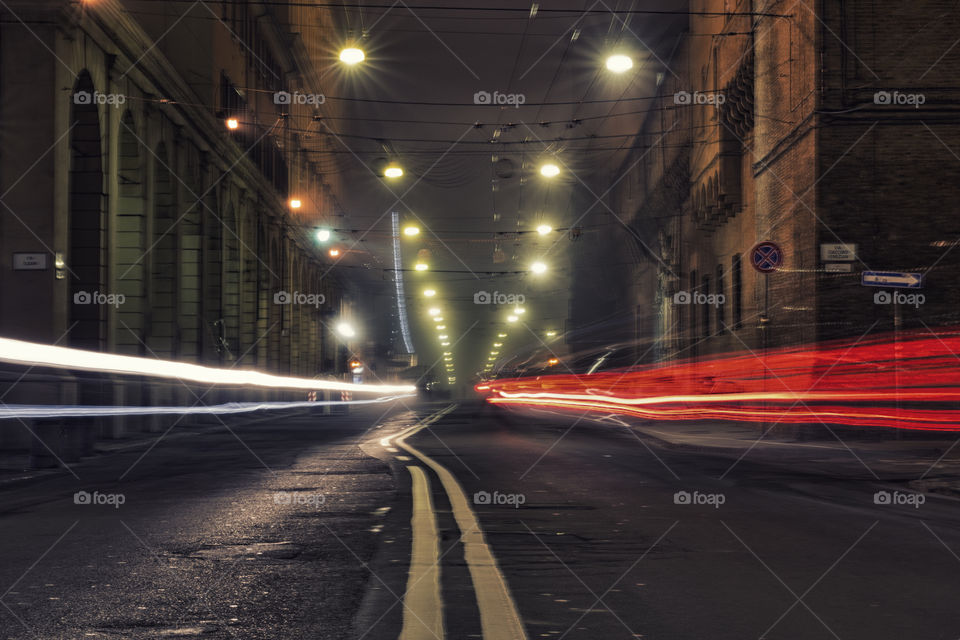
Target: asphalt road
477,523
598,546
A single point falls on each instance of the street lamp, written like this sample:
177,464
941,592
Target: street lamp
429,293
549,170
619,63
352,55
232,124
411,229
346,330
295,203
421,266
538,267
323,235
544,229
393,171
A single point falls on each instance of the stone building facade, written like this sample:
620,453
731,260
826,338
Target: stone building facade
165,232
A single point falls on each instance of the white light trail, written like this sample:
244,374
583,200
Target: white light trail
77,411
44,355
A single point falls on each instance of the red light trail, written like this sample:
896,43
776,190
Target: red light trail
909,383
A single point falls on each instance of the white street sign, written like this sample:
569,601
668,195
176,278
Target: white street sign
838,252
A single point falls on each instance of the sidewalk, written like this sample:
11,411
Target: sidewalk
15,466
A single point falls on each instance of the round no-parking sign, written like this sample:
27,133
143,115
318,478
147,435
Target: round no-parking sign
766,257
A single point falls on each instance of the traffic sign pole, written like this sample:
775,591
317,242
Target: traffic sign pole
894,280
766,257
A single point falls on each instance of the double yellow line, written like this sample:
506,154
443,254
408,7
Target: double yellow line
423,601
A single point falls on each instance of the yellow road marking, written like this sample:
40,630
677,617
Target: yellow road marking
499,618
422,604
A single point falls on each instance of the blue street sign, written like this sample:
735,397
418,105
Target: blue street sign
892,279
766,257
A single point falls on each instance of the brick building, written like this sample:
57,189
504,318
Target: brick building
803,124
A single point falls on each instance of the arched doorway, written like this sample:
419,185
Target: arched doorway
231,286
162,330
87,226
131,231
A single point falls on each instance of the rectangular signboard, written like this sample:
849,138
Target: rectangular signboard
892,279
838,252
29,261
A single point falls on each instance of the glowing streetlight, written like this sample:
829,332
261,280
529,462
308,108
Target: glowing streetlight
421,266
233,123
334,253
501,335
549,170
411,229
498,344
444,344
434,311
438,319
323,235
346,330
295,203
538,267
618,63
551,334
429,293
441,326
443,337
544,229
519,311
352,55
393,171
512,318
